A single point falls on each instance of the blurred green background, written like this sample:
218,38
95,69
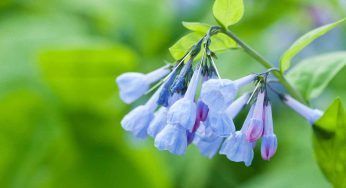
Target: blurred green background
60,111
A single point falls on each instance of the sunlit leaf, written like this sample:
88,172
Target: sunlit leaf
330,144
312,75
219,42
228,12
197,27
184,44
302,42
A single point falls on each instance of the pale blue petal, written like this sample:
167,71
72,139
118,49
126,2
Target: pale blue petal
218,94
238,149
183,113
137,121
205,133
158,123
172,138
312,115
208,148
234,109
221,123
132,86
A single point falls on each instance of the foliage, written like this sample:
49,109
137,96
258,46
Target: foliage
330,143
312,75
60,113
303,41
228,12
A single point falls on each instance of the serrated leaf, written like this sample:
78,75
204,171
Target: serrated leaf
330,144
228,12
302,42
312,75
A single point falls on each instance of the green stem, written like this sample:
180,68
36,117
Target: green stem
266,64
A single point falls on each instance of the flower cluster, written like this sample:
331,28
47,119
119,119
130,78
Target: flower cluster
193,105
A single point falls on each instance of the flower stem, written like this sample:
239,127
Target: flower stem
254,54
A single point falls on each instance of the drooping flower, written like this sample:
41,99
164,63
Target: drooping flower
219,93
133,85
138,120
236,147
183,112
172,138
181,118
269,140
312,115
255,129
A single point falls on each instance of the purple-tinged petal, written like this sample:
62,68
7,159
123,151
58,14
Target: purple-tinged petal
269,146
255,128
247,119
202,111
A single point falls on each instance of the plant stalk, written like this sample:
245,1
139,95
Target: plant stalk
254,54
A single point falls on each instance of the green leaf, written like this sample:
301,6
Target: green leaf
312,75
220,41
330,144
197,27
302,42
184,44
228,12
